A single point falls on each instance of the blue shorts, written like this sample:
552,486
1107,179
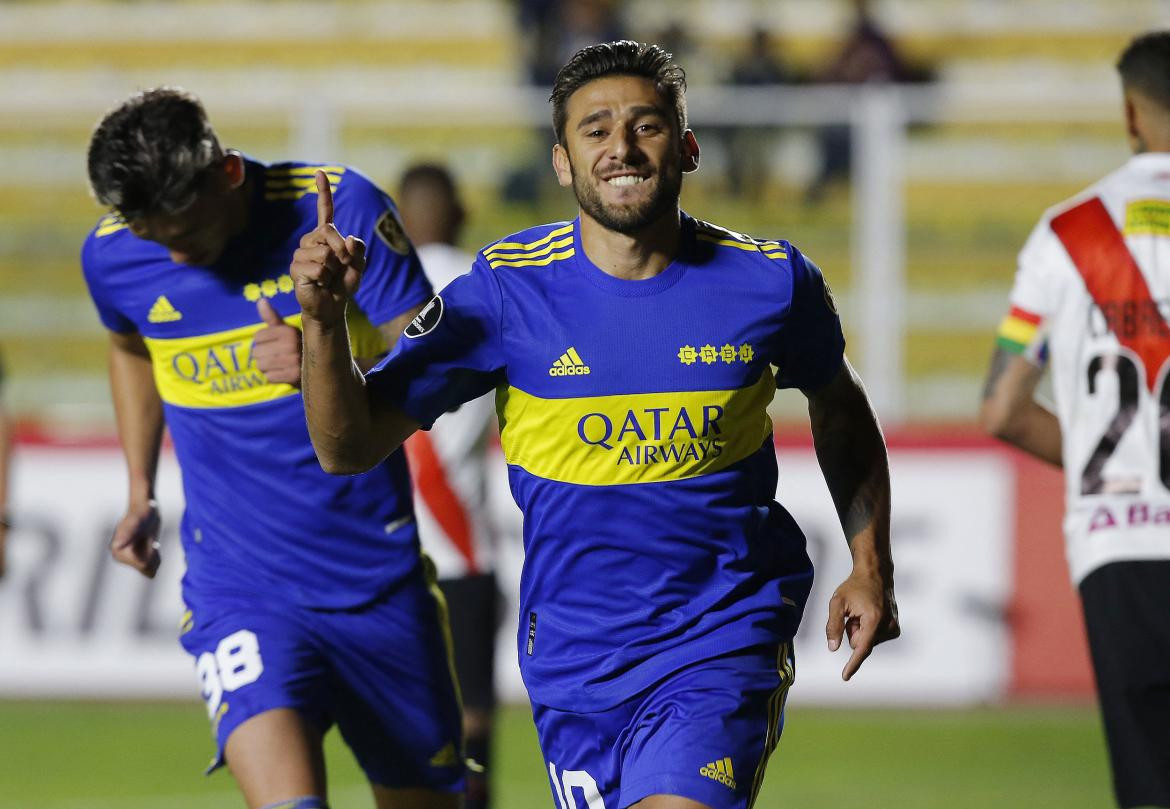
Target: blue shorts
704,733
382,672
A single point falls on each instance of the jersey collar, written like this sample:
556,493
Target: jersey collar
647,286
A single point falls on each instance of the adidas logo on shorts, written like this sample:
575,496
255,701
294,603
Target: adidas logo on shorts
720,771
569,364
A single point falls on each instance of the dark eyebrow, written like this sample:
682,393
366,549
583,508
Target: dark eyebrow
593,118
648,109
637,112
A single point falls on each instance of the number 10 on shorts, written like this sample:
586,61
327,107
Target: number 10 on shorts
236,663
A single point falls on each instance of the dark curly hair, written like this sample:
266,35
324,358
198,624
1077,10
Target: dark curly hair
150,154
622,58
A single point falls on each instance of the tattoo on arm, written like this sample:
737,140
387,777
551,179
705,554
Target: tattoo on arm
860,512
1000,360
851,451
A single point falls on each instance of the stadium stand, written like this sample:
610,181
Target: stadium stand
425,79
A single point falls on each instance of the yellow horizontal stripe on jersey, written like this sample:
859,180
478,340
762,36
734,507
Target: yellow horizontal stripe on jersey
365,339
634,438
501,246
532,262
216,370
1017,330
304,170
213,370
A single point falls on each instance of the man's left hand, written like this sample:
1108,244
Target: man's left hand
864,610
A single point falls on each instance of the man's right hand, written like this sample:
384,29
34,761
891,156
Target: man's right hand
327,268
135,540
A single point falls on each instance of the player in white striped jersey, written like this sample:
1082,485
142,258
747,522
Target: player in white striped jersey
1092,299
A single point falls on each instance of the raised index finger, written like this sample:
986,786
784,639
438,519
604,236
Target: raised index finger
324,200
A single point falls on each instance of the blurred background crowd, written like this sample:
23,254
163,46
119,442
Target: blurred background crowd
999,109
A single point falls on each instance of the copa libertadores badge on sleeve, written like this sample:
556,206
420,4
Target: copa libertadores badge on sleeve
426,320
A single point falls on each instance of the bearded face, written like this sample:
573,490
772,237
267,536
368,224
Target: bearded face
657,194
623,153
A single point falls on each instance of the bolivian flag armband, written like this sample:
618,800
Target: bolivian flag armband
1019,332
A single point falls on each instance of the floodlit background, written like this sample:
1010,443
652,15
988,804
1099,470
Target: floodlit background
912,185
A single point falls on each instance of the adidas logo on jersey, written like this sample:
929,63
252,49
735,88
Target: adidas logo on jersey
720,771
569,364
163,312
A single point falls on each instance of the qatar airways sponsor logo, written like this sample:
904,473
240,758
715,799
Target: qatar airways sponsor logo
649,435
222,369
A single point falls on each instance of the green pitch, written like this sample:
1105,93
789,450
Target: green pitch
66,755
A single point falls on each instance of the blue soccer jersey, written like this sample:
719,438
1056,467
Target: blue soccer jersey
633,420
261,515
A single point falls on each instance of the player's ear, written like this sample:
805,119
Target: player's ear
233,169
690,151
561,166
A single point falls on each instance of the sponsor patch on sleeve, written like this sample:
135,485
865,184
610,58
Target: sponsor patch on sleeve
390,231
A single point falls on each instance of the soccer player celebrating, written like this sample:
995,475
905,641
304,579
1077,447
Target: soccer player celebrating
1092,298
632,351
308,601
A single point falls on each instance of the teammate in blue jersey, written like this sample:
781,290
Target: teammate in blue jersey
632,351
308,601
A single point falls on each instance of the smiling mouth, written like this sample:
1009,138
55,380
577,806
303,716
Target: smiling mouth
626,180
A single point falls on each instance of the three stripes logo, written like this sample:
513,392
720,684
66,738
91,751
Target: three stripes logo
162,311
569,364
282,182
720,771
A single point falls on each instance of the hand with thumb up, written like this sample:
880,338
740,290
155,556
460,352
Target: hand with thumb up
276,348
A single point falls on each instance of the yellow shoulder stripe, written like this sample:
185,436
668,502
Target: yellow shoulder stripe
294,182
769,249
496,248
111,223
275,183
531,262
509,259
305,171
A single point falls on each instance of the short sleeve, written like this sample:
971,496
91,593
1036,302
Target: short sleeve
450,353
1040,262
394,280
108,313
1023,330
811,342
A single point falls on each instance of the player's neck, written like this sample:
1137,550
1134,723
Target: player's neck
632,256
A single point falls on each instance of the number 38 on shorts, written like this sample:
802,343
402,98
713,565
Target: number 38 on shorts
235,663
